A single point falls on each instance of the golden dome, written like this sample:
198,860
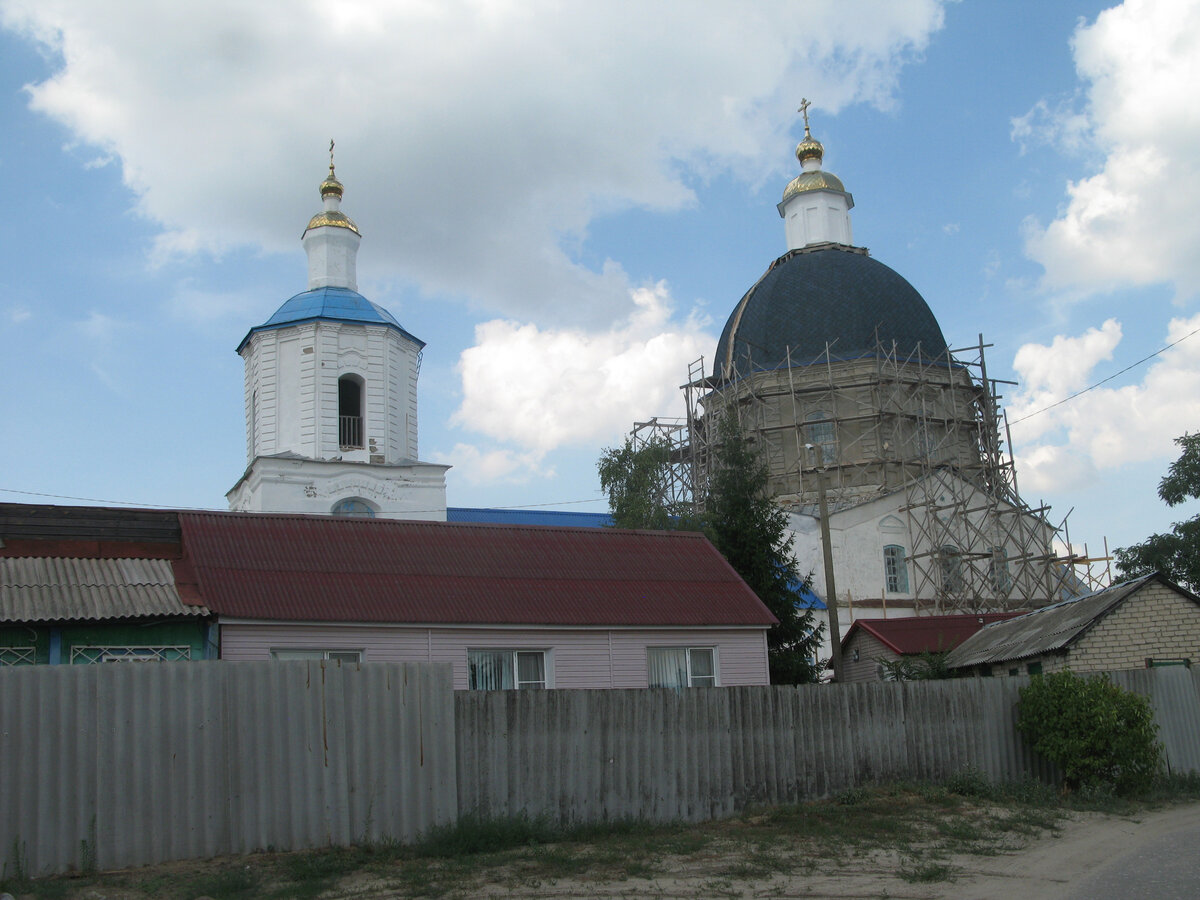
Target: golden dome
332,218
813,181
331,185
809,148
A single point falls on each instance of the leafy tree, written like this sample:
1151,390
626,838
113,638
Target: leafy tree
1177,553
1097,732
739,518
926,666
751,532
637,481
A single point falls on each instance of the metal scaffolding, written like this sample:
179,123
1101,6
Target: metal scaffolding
928,428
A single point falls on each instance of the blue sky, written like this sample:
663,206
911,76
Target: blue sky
565,202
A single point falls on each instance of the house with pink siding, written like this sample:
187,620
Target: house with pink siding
507,606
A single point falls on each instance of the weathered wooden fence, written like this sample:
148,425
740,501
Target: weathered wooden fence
124,765
583,756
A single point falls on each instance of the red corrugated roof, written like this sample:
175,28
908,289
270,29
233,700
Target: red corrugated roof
319,568
921,633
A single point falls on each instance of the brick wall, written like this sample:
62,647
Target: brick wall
1157,622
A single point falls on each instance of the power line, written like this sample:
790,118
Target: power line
1038,412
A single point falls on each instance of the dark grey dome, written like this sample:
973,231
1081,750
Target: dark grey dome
837,296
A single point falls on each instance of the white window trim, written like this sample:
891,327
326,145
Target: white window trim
317,654
901,570
124,653
513,652
687,652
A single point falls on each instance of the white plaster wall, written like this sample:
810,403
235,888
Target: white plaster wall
312,487
815,217
332,257
295,371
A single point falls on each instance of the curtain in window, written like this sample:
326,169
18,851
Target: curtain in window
490,670
667,666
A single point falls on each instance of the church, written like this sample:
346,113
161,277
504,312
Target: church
838,372
331,395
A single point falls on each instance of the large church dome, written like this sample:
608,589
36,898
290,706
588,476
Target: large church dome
831,295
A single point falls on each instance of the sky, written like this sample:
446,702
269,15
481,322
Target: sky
565,202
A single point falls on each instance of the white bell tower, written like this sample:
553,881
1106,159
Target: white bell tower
331,394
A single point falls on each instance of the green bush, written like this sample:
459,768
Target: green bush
1097,732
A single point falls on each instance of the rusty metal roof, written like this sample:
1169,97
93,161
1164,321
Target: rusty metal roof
320,568
1049,629
919,634
48,589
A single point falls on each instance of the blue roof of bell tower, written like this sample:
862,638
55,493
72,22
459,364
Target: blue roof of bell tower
329,304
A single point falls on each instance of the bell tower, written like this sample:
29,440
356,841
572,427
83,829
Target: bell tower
331,394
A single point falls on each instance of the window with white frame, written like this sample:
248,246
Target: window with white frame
895,572
338,656
505,670
820,432
680,667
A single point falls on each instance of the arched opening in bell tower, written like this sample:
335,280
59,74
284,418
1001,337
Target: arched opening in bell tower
350,412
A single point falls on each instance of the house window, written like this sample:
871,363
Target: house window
113,654
951,562
18,656
353,507
821,434
679,667
1034,668
503,670
998,570
895,572
350,412
337,656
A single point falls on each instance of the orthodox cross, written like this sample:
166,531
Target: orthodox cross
331,151
804,105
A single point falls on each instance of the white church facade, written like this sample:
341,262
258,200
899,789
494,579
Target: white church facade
331,395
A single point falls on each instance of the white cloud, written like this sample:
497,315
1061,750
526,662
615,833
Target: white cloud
18,314
100,328
1133,221
1105,428
541,389
477,466
477,139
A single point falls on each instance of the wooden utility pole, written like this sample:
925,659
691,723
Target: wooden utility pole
835,629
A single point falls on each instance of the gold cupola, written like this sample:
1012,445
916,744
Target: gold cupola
331,194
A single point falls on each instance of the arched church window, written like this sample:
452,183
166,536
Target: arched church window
353,508
819,431
895,572
951,562
350,412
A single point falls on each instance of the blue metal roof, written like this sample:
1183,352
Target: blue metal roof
335,304
529,517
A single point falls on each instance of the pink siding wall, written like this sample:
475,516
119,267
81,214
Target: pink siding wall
578,658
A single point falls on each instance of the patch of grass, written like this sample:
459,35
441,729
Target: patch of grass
927,872
231,883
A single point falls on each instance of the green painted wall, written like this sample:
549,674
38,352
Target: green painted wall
187,633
